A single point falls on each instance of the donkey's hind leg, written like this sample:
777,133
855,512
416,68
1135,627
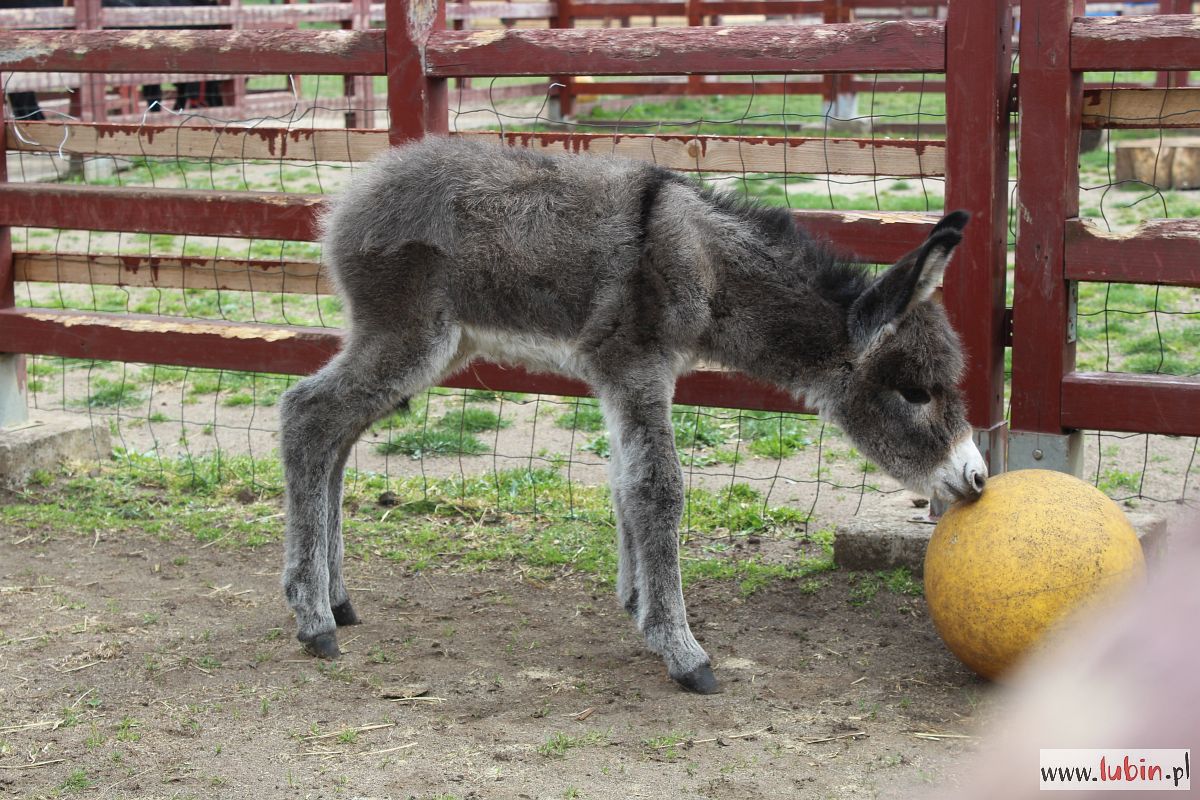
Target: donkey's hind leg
339,598
627,593
320,419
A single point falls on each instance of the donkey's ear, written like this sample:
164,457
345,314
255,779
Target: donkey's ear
910,281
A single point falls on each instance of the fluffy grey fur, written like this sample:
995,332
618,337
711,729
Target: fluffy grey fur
624,275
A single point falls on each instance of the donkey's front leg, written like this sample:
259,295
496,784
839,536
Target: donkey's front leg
650,488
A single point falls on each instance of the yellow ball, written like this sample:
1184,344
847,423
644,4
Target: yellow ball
1001,572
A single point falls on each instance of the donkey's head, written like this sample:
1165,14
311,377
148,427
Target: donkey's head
898,398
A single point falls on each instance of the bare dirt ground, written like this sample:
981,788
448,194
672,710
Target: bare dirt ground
130,667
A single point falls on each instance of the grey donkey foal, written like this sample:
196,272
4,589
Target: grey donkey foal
624,275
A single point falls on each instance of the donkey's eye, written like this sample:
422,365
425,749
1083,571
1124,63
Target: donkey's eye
914,395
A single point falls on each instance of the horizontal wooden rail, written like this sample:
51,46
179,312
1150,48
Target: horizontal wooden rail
1107,401
248,15
900,46
896,157
198,141
251,16
299,351
497,9
874,237
749,154
162,272
1152,41
252,52
1141,108
1160,252
257,215
178,341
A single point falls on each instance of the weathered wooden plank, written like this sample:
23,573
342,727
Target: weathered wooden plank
225,274
748,154
1153,41
200,141
489,9
1106,401
1159,252
258,215
284,350
36,18
150,339
251,52
246,15
1141,108
688,153
900,46
875,237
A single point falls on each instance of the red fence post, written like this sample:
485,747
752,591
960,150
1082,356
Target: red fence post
12,366
978,81
92,107
1048,195
416,102
564,18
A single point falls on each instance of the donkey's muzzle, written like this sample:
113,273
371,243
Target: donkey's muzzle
964,473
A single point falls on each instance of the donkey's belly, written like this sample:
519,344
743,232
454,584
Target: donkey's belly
537,353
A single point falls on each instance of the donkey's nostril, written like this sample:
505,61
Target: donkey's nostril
976,481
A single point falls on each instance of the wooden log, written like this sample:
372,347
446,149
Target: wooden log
1185,164
1145,160
901,46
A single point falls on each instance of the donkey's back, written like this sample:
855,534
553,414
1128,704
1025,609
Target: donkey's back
501,235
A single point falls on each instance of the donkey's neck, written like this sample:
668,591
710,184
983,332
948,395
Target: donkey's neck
783,322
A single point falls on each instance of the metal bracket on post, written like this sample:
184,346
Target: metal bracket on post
1072,311
1062,452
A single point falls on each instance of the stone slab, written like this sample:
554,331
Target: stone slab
897,533
46,440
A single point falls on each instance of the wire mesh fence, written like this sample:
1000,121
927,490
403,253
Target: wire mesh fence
743,468
507,450
1126,181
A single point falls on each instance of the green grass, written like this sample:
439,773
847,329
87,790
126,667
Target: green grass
559,744
545,523
105,393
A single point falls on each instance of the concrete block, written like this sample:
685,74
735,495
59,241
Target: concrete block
48,439
896,534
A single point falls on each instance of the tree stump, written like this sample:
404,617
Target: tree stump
1164,164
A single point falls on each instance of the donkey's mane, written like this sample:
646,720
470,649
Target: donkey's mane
835,276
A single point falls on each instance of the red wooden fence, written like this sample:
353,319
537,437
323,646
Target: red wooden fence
418,54
1054,249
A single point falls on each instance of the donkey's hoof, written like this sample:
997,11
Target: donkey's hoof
323,646
344,614
700,680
